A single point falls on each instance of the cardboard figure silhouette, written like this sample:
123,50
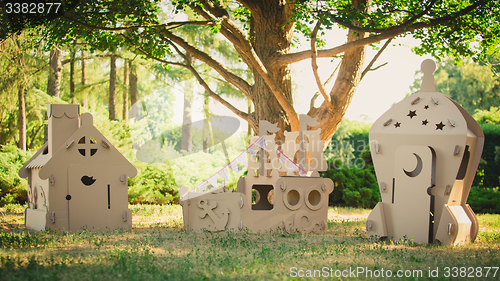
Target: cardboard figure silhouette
425,150
77,179
281,202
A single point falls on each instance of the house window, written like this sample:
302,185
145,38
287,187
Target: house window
87,146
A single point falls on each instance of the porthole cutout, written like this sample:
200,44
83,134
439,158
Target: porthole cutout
292,199
314,198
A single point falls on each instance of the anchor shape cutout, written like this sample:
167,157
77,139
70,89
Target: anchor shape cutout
219,222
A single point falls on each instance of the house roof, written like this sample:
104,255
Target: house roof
86,146
38,160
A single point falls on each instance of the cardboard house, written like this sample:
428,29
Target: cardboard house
425,150
268,199
78,179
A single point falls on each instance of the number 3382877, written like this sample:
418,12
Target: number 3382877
31,8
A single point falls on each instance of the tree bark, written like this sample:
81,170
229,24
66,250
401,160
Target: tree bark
112,89
72,55
133,91
206,124
21,118
271,37
346,83
84,81
125,90
55,72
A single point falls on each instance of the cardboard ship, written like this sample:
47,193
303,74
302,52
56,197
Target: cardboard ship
78,179
425,150
280,201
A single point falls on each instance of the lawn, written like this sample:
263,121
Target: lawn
158,248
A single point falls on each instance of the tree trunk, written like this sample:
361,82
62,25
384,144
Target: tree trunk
72,73
187,119
125,90
21,118
84,81
249,128
55,72
346,83
134,94
112,88
206,124
271,36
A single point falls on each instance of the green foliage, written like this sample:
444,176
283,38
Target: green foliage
15,23
488,116
23,63
12,187
350,167
488,174
349,140
155,184
353,186
191,170
484,200
475,86
471,85
452,38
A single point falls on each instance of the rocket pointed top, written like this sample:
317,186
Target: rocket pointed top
428,67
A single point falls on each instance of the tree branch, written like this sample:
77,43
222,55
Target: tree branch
314,110
247,49
295,57
211,93
369,66
175,24
230,77
149,55
382,30
224,30
314,64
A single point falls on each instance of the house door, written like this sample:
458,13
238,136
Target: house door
88,197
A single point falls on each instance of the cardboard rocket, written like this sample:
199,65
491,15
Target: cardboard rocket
425,150
78,179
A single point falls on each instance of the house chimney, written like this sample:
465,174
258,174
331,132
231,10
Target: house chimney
63,122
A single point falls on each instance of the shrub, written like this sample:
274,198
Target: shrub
484,200
12,187
354,186
154,184
488,173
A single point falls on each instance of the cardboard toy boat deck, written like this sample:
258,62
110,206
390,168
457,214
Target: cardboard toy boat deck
77,179
282,202
425,150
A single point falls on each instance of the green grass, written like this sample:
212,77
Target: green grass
158,248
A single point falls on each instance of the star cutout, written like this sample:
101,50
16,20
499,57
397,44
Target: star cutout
412,114
425,122
440,126
426,107
397,125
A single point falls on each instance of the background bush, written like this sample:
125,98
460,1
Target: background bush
488,172
12,187
484,200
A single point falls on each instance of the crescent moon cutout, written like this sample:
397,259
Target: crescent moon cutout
417,169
